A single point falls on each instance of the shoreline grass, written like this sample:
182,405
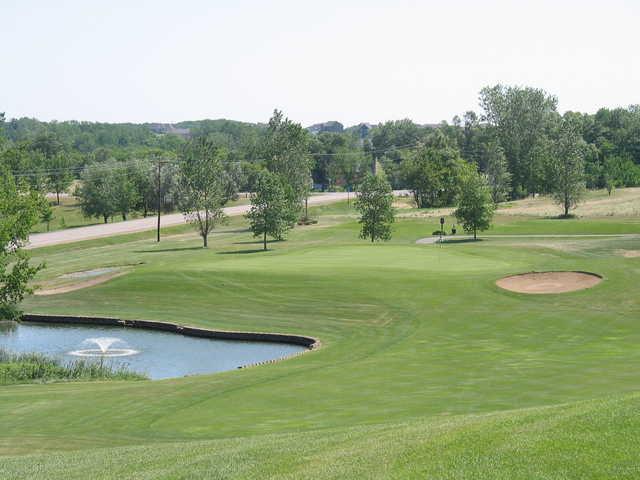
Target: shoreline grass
21,368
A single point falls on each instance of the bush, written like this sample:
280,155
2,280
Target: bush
439,232
307,221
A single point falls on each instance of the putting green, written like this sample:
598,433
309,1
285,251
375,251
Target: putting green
427,369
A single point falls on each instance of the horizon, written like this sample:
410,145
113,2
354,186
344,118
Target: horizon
353,62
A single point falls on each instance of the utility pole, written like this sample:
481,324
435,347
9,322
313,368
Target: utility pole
159,193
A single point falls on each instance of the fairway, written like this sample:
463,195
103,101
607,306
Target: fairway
427,367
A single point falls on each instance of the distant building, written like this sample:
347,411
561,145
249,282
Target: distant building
363,130
331,126
169,129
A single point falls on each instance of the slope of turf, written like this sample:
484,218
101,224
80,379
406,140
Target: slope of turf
596,439
419,348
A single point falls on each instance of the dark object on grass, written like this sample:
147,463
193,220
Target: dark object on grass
307,221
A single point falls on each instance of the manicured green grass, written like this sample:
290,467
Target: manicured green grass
427,370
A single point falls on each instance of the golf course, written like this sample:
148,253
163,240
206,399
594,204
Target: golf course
426,369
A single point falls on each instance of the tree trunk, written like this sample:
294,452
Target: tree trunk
58,197
475,236
204,237
124,216
264,240
106,219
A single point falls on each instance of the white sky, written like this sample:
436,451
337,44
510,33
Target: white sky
345,60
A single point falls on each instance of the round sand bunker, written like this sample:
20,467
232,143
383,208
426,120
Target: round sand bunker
549,282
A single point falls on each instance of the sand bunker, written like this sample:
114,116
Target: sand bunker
629,253
88,278
549,282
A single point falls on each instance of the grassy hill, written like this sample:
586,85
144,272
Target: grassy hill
427,370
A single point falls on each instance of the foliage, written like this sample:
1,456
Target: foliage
202,192
567,167
97,192
59,176
433,172
375,205
16,368
269,213
285,150
475,205
20,209
519,119
497,170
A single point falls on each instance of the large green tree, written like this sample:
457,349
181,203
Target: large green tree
375,204
269,215
519,119
432,172
96,191
497,171
475,205
285,150
59,173
20,209
567,167
202,188
126,196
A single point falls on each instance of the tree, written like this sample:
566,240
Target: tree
497,171
432,172
375,204
475,205
46,215
285,149
20,209
201,185
123,189
96,194
59,176
519,118
567,167
269,213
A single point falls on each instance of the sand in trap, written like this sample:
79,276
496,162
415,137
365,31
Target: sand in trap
549,282
629,253
87,278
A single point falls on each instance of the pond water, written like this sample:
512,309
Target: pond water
155,353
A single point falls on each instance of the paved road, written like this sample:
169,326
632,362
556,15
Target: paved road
435,238
141,224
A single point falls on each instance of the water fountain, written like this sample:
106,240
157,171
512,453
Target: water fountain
104,348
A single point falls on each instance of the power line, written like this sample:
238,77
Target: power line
121,164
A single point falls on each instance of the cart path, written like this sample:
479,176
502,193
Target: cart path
436,239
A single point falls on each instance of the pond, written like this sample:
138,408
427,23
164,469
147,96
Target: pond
155,353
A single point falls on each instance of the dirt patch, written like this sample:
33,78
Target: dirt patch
629,253
89,278
549,282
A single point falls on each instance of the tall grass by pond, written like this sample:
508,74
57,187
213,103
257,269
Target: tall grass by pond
18,368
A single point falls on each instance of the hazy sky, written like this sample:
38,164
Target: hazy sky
345,60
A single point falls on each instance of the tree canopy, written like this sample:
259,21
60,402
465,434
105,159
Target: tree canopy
21,208
375,205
